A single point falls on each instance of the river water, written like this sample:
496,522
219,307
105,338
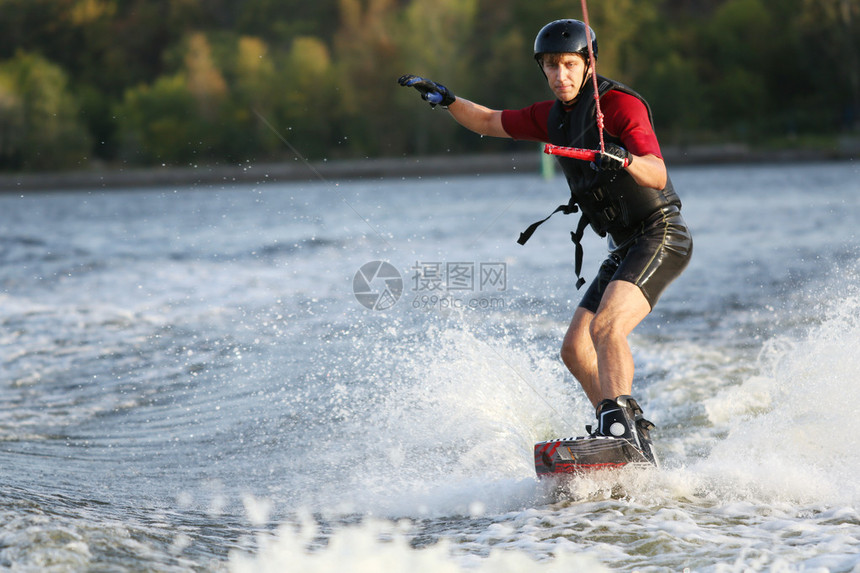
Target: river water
219,379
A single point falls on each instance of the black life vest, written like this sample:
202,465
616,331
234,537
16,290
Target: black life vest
611,201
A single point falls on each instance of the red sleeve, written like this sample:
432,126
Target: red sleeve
529,123
626,117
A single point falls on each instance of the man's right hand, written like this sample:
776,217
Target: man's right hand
613,158
430,91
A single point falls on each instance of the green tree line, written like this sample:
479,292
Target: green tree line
179,82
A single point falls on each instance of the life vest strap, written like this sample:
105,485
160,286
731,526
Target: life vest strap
575,236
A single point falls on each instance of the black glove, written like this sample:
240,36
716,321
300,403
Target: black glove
613,158
430,90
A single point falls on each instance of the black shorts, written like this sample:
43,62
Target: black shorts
651,259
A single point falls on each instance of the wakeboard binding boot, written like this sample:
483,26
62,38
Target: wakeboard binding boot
622,418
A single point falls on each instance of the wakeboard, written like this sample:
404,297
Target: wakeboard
586,454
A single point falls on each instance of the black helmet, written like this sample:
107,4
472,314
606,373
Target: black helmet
564,36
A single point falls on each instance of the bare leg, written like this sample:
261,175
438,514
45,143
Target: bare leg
595,347
579,355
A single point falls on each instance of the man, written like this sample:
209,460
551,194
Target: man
625,194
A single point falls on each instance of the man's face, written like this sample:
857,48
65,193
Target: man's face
565,74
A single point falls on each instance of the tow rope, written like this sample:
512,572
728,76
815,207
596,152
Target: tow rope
593,63
583,154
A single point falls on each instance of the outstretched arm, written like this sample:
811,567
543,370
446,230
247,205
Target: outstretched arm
482,120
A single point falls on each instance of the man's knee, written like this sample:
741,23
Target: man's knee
623,308
576,350
568,354
603,329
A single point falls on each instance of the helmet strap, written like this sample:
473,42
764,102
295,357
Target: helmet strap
584,76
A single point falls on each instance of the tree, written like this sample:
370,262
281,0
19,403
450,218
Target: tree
179,118
179,81
366,56
256,93
159,123
738,46
12,128
39,126
309,91
434,38
203,77
829,31
279,22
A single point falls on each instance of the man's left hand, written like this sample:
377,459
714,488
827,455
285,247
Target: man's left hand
613,158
